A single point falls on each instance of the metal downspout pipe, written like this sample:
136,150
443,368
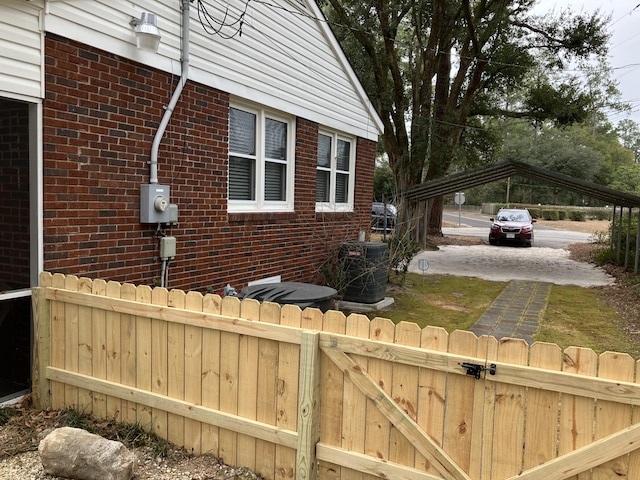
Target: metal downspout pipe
184,75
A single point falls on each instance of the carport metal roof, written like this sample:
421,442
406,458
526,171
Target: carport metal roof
510,168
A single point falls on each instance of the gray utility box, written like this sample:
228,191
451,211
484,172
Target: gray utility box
154,203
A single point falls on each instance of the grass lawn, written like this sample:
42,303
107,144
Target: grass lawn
575,316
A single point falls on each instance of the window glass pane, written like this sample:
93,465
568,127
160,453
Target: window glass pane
275,139
242,132
324,151
242,178
275,178
342,188
322,185
343,155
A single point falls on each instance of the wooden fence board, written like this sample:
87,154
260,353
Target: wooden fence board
59,349
634,457
143,356
459,422
176,373
84,346
610,416
248,384
268,387
510,399
331,412
404,391
211,374
354,401
287,391
128,352
541,430
98,347
432,391
576,412
159,361
481,455
113,351
193,373
229,351
376,442
71,340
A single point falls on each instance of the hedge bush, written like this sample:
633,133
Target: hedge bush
578,215
550,214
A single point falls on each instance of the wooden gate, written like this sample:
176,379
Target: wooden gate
514,414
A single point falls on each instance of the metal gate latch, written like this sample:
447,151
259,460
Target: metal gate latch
475,369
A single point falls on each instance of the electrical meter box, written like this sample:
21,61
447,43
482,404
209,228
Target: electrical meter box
154,203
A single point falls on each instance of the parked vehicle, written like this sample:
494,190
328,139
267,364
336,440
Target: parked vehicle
512,225
383,215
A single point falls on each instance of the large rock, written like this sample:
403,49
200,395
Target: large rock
77,454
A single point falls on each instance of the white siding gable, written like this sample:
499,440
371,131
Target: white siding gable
285,58
20,51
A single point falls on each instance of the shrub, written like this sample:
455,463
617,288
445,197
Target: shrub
535,212
578,216
401,251
550,214
562,214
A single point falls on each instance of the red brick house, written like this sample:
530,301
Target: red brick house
242,149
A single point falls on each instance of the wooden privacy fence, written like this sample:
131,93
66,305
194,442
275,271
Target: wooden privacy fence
298,394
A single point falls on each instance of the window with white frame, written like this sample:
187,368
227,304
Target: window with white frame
260,160
334,172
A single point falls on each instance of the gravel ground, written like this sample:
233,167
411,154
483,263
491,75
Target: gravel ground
19,459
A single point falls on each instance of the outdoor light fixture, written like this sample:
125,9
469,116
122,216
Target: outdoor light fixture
147,32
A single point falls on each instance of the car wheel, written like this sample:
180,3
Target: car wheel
493,241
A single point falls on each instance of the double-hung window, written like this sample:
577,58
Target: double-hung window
261,171
335,173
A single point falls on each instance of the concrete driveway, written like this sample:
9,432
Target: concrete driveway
505,263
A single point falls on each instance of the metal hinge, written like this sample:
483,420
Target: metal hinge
476,369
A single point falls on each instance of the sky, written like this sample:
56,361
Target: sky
624,46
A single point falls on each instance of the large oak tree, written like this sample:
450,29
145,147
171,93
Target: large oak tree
432,68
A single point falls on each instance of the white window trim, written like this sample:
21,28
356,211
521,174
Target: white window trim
259,204
331,205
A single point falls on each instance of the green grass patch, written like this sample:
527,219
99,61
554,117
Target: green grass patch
454,303
575,316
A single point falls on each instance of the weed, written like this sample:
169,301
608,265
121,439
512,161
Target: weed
6,413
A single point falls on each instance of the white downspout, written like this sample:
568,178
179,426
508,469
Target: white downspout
184,75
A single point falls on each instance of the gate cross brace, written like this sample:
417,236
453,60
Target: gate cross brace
398,417
584,458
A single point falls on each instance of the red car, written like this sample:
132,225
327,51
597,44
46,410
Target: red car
512,225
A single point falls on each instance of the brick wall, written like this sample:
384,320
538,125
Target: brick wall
100,116
14,195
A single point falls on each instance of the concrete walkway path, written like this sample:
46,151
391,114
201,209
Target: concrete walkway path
516,312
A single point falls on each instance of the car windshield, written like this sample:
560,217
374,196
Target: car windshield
512,217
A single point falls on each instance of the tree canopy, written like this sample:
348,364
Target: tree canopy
436,69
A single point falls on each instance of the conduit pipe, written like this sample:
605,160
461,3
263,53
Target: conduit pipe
184,75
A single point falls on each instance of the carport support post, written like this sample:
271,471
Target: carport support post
613,227
635,267
619,242
426,222
628,242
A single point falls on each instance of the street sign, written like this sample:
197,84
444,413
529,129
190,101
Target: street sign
459,198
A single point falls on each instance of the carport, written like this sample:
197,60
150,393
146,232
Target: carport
622,202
